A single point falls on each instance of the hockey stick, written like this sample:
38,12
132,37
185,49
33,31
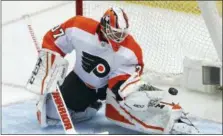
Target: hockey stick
63,111
31,32
57,97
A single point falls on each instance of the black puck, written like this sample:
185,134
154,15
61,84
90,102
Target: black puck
173,91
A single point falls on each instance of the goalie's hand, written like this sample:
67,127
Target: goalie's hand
138,94
50,68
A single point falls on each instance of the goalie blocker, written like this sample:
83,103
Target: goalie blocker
49,72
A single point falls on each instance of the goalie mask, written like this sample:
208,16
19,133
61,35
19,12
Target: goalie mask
114,25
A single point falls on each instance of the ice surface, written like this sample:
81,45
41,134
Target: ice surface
21,119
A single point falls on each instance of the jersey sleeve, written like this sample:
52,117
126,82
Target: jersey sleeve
120,75
128,67
56,39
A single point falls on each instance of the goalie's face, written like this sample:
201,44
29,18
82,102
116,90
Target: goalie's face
115,25
117,35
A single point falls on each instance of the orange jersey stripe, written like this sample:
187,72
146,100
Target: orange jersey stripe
83,23
115,80
131,44
48,43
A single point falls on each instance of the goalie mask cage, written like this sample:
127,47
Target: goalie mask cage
167,31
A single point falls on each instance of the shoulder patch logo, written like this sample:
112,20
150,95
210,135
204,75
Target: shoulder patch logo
95,64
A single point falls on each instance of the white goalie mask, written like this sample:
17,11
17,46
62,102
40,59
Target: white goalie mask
114,25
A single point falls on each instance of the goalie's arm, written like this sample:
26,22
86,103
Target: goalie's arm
118,78
50,64
132,65
58,40
63,38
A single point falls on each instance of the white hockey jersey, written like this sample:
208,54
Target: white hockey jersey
97,62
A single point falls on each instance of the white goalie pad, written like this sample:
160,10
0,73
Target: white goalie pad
41,111
143,109
50,68
158,119
142,106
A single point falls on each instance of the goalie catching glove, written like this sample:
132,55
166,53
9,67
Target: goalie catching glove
141,108
50,69
139,95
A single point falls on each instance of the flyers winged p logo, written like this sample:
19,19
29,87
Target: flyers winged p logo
95,64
